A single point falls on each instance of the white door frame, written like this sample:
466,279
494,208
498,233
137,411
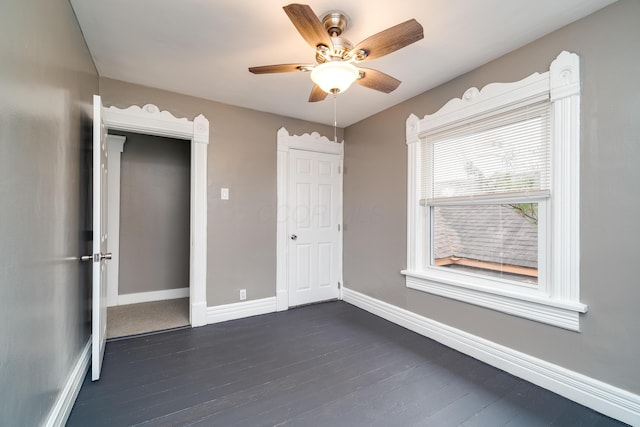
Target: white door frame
150,120
307,142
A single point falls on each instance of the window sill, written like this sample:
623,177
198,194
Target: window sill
564,314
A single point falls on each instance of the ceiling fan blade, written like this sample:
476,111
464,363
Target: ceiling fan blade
317,94
390,40
374,79
308,24
281,68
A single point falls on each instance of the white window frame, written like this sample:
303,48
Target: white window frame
558,301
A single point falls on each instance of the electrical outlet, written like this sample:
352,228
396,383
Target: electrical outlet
243,294
224,194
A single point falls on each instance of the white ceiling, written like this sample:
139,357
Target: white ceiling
204,47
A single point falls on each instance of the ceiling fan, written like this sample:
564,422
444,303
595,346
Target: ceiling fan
336,56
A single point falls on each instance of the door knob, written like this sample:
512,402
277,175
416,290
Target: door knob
294,237
96,257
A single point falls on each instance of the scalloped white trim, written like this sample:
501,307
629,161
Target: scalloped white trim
149,119
475,102
148,110
561,81
308,141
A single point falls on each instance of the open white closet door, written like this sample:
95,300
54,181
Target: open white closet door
100,255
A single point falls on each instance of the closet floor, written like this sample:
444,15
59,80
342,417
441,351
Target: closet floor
134,319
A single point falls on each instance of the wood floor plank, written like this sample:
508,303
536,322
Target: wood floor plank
128,376
342,369
303,401
342,380
222,360
326,364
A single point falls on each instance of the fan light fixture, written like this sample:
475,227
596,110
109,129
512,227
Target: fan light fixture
334,76
338,60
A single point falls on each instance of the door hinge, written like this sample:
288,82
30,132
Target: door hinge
338,227
339,170
339,285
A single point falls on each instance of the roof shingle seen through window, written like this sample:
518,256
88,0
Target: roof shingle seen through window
491,233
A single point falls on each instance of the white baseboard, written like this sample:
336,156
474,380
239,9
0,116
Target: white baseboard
239,310
595,394
139,297
60,411
282,300
198,314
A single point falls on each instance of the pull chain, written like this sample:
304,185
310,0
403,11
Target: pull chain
335,117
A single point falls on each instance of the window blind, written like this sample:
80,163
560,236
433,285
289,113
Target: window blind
504,154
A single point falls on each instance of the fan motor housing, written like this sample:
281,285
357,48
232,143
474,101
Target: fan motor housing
335,23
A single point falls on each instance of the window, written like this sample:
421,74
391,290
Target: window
494,197
485,186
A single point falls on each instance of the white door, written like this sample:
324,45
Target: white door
100,255
313,227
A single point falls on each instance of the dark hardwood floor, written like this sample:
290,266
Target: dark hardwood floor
328,364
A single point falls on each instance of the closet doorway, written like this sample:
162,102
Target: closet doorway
149,192
150,120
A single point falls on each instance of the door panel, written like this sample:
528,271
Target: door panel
303,279
325,205
325,255
303,206
313,227
99,304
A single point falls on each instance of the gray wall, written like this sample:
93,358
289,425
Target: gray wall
154,213
607,348
47,79
241,248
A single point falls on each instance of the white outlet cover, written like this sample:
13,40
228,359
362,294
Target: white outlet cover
224,194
